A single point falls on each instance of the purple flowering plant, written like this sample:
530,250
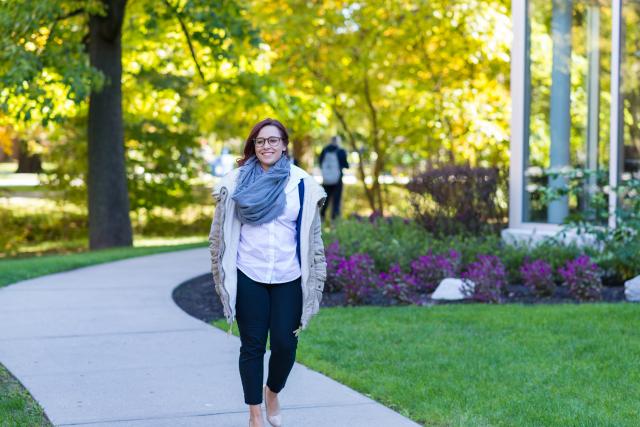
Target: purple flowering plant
356,275
334,257
489,276
583,278
428,270
375,216
537,276
398,286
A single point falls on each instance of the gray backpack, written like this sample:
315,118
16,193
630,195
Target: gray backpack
330,168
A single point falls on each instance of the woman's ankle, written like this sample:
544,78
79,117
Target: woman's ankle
269,391
255,410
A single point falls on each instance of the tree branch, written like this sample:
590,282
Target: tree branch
380,154
188,37
55,22
70,14
372,110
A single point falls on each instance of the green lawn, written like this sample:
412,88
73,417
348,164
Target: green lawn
479,365
17,407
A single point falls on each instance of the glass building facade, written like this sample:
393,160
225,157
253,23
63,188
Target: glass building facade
575,89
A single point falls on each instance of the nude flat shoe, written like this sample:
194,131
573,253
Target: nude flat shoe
274,420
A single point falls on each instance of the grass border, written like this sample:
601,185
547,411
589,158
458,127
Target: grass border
12,391
17,270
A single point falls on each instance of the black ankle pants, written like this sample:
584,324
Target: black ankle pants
262,308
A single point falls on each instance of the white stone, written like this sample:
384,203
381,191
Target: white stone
632,289
452,289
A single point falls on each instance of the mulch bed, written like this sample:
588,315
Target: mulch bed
198,298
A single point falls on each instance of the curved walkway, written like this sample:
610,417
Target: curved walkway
106,346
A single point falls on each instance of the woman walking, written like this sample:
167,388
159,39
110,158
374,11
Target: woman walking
267,260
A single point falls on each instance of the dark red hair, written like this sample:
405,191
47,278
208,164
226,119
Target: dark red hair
249,147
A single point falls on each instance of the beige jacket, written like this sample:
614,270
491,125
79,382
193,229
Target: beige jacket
225,237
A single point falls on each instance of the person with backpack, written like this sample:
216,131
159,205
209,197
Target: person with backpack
333,159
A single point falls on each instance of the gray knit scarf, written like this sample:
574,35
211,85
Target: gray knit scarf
259,195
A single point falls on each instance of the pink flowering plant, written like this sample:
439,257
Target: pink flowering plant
537,276
582,277
489,276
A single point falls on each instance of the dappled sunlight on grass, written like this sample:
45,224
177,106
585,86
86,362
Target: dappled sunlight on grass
15,269
26,205
8,167
354,200
82,245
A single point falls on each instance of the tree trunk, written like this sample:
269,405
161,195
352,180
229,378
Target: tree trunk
375,135
377,188
27,162
368,192
108,198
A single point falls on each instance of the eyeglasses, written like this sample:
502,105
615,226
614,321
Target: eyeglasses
272,140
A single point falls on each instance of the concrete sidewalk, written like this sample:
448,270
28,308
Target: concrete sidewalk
107,346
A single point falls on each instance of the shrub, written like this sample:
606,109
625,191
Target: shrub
456,199
357,276
583,278
56,226
615,249
390,241
398,240
551,250
620,259
489,276
428,270
398,287
538,277
386,241
171,223
28,226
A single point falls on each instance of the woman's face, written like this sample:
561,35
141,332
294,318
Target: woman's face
269,153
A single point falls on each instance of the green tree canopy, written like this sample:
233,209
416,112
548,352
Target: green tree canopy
58,54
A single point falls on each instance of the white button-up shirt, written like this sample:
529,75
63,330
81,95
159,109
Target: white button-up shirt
267,252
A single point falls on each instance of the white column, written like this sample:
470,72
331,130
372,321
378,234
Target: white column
519,71
615,136
593,96
560,120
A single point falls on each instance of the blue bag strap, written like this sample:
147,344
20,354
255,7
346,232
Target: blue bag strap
299,220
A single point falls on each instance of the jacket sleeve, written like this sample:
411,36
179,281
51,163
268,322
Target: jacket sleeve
318,251
215,238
